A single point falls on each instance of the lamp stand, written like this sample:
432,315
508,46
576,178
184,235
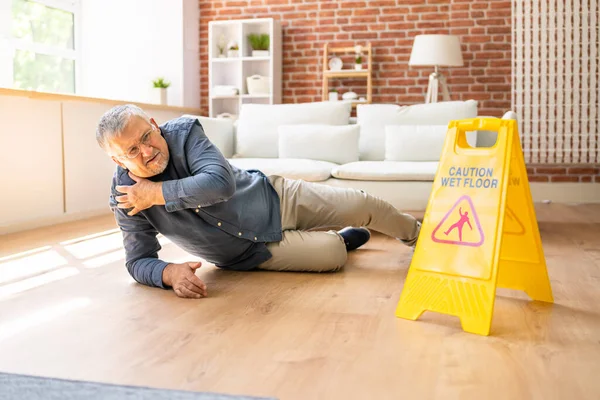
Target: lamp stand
436,80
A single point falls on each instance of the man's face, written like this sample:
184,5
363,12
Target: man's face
140,148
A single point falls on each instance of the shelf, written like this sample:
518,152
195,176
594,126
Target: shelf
226,59
256,58
234,71
350,73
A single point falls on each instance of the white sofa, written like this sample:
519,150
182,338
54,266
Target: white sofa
389,151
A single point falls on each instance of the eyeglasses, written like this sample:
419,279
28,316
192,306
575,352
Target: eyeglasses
134,151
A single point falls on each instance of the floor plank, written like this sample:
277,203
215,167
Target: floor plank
71,310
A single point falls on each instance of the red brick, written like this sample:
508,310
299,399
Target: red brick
236,4
551,170
362,20
581,171
586,179
230,11
496,5
538,178
367,11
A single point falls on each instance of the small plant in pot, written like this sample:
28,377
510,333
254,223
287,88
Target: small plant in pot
232,49
160,90
333,95
358,62
221,45
260,44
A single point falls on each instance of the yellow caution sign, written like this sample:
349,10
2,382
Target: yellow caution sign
480,231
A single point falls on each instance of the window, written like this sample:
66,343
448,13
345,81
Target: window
42,45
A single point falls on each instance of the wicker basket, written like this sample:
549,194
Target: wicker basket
258,84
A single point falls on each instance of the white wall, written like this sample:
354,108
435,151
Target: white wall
128,43
52,169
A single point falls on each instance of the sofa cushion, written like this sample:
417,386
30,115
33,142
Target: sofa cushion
219,131
257,134
373,118
414,142
308,170
334,143
387,171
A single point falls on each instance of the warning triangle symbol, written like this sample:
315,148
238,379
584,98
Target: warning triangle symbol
460,226
512,224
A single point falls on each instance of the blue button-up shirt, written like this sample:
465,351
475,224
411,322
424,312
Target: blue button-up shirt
213,210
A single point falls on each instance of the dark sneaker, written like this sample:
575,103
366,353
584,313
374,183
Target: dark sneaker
354,237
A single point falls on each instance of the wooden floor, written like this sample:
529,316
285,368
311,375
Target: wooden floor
69,309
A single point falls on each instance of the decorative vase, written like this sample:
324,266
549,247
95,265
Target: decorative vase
260,53
160,96
232,53
333,96
358,67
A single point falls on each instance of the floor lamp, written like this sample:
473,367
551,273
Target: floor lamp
436,51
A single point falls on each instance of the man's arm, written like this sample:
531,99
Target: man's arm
141,249
212,179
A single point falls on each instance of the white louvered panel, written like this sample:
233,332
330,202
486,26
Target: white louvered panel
527,79
585,84
594,70
543,125
568,105
577,61
535,86
517,71
552,83
555,73
560,88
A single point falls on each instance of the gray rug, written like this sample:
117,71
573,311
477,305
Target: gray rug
15,386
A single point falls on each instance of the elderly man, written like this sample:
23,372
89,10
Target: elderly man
172,180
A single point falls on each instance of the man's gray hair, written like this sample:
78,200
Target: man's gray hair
115,120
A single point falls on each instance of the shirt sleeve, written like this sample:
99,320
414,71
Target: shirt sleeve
141,248
211,181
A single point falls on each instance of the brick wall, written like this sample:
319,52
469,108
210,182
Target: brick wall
564,173
390,26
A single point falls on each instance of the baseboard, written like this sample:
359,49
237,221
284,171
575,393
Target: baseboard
568,192
43,222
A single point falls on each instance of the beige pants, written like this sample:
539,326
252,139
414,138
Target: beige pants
307,206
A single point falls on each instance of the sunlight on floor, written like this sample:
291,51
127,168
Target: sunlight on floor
36,281
41,316
105,259
30,265
33,268
95,245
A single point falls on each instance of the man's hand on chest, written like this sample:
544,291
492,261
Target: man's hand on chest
140,196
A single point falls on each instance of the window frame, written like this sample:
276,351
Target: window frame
72,6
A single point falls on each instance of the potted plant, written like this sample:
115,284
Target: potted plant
232,49
333,95
160,90
260,44
221,45
358,62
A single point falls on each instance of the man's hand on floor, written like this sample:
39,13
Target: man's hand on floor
144,194
183,280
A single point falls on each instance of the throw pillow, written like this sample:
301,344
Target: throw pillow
334,143
414,142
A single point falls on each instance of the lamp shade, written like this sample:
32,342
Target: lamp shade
435,50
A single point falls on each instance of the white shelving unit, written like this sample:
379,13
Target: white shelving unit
234,71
